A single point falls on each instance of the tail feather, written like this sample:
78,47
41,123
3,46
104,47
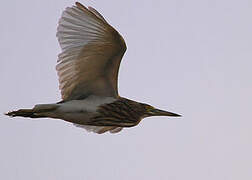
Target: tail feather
36,112
23,113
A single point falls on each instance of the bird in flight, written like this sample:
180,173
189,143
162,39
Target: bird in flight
88,71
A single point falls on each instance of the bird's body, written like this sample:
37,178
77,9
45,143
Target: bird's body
88,71
102,113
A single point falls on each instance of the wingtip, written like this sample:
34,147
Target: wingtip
81,6
8,114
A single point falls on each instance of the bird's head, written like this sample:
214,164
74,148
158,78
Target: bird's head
151,111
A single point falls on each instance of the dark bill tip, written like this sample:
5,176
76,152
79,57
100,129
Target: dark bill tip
165,113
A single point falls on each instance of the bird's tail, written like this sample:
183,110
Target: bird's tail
23,113
38,111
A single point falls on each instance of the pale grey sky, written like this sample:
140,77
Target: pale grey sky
189,57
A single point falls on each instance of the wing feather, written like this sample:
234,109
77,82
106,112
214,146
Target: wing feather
91,54
100,129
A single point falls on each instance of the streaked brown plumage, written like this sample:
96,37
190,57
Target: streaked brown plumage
123,111
88,73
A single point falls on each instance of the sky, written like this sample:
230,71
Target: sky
189,57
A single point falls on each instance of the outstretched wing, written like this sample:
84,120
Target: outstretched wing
91,54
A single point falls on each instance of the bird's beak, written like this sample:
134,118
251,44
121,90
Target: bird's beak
158,112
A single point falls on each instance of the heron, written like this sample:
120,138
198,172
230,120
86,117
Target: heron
87,68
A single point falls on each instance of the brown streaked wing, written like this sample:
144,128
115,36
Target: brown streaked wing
91,54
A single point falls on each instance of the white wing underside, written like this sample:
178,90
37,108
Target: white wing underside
91,54
100,129
87,44
76,29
